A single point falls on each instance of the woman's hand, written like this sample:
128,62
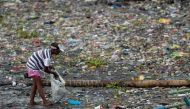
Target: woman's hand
55,75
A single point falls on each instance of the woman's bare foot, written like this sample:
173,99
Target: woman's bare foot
32,103
47,103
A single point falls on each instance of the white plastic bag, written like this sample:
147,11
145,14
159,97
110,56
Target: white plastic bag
58,88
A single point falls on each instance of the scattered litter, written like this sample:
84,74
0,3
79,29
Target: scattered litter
100,40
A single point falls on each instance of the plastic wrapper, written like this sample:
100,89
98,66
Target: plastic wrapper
58,89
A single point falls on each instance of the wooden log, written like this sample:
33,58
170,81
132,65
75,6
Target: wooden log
155,83
121,83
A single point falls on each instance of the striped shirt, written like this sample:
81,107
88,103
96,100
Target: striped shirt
39,59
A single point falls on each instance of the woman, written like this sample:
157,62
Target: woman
40,60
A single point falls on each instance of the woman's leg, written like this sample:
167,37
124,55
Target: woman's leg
41,91
33,93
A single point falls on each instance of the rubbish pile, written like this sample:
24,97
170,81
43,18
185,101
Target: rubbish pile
103,40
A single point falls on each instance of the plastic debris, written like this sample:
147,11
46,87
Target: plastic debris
185,100
100,40
73,102
98,107
164,20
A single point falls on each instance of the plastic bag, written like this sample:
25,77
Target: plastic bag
58,89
